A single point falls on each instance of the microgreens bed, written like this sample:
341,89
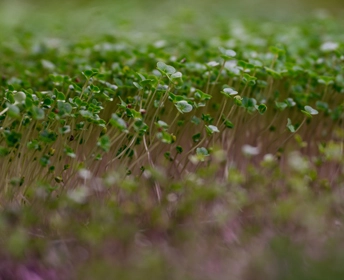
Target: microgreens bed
175,157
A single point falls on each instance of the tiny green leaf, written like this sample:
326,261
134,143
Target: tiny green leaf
177,75
310,110
211,129
37,113
165,69
19,96
183,106
262,109
290,126
119,123
227,53
228,124
13,111
104,143
179,149
202,151
229,92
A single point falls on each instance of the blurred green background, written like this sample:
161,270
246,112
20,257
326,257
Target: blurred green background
85,17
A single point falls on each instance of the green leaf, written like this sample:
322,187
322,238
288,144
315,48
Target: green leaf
195,120
229,92
201,153
44,160
162,125
226,53
212,64
165,69
95,89
228,124
165,137
59,95
249,103
119,123
34,145
249,80
90,73
69,152
86,114
183,106
78,101
65,129
28,103
48,137
19,96
281,105
323,106
202,95
273,73
290,126
12,138
137,85
37,113
310,110
104,143
177,75
211,129
326,80
64,108
238,100
196,137
262,109
207,118
290,102
13,111
140,126
277,51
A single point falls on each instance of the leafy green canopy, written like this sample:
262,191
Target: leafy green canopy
167,133
108,102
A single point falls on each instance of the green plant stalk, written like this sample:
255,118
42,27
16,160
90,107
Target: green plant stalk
288,138
156,185
163,99
218,76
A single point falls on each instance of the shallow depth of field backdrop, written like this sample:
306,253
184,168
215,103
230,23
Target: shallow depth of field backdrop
87,17
171,139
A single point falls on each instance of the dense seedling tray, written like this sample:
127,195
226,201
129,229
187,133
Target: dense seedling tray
174,157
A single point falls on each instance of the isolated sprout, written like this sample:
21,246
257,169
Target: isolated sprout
309,111
238,100
202,96
211,129
183,106
201,154
261,108
290,126
229,92
165,69
161,125
226,53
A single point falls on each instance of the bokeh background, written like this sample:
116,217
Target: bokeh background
91,18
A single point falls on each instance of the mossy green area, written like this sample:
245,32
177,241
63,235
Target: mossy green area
180,140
